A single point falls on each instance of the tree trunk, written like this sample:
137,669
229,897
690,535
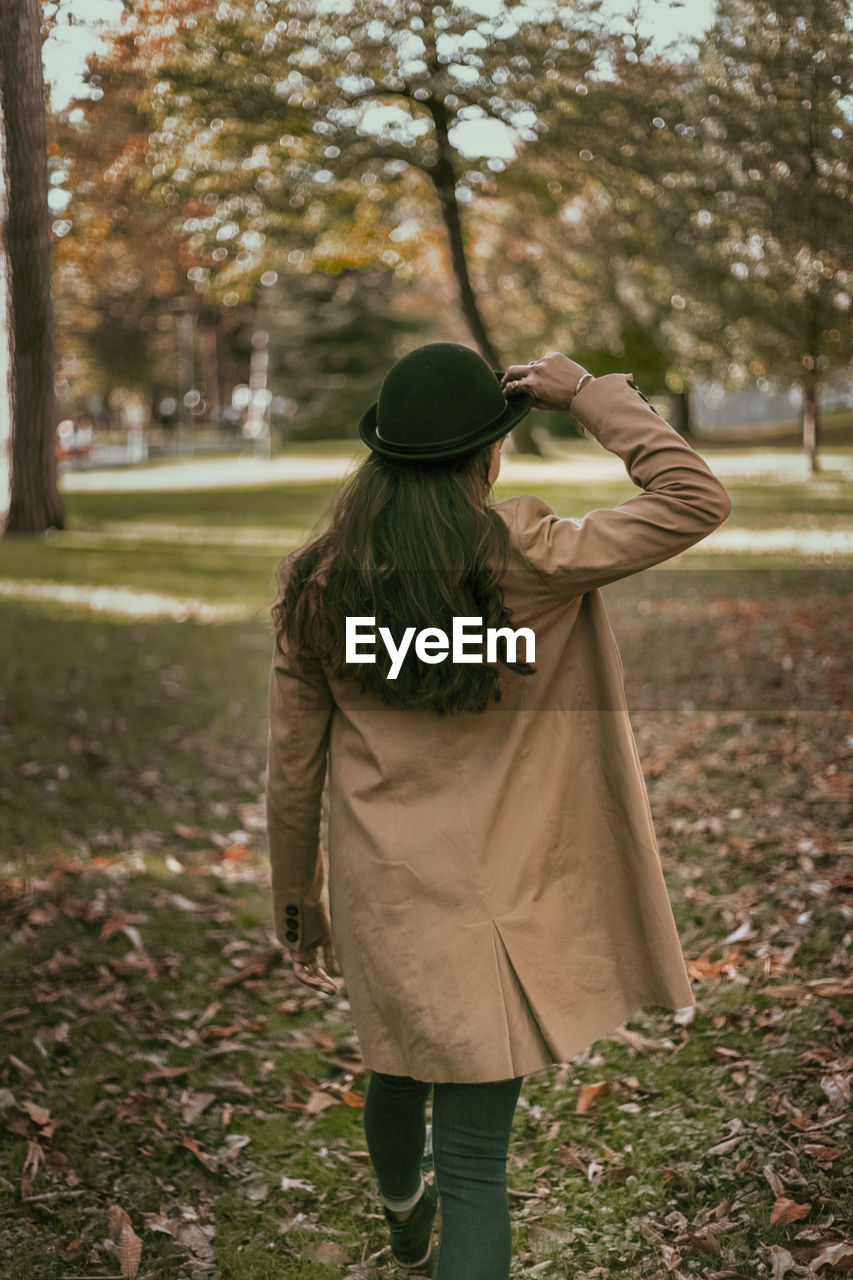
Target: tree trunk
35,504
5,353
444,180
810,419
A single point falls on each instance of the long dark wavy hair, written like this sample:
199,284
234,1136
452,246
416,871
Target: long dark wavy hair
409,545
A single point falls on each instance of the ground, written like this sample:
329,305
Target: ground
174,1103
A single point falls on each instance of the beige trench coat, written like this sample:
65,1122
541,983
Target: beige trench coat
495,889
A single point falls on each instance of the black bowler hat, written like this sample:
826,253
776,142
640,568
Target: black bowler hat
440,401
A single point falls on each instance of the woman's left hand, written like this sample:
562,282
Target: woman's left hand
308,969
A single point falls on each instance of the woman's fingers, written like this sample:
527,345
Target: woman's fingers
515,373
550,380
308,969
314,975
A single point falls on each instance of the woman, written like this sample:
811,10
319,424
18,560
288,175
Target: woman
496,897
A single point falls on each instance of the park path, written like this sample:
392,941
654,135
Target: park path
578,462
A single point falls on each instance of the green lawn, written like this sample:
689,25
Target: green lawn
143,1067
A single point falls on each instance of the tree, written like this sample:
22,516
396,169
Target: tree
35,503
311,115
589,227
765,236
125,273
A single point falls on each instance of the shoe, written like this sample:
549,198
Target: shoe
410,1240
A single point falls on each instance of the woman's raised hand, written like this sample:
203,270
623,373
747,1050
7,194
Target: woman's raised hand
551,380
308,969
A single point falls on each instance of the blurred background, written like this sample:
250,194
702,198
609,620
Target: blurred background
256,207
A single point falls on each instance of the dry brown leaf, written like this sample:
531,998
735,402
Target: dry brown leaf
165,1073
207,1015
196,1238
116,923
589,1095
301,1081
319,1101
722,1148
257,967
40,1115
839,1257
781,1260
34,1157
831,986
129,1251
701,1238
640,1042
209,1161
837,1089
23,1069
194,1105
221,1031
823,1153
118,1218
569,1157
787,1210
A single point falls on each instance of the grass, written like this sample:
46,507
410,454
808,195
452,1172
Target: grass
142,1066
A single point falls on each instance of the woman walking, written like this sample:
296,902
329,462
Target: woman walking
496,899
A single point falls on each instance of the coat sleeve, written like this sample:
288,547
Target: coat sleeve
682,502
300,709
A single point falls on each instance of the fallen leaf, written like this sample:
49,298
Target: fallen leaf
40,1115
209,1161
256,1190
33,1159
207,1015
786,1210
837,1256
115,924
640,1042
722,1148
23,1069
823,1153
837,1090
319,1101
165,1073
196,1238
129,1251
235,1142
118,1218
131,932
257,967
194,1105
781,1260
296,1184
589,1095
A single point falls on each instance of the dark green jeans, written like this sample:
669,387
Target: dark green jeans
470,1137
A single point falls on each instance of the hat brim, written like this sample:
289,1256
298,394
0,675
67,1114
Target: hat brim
518,406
